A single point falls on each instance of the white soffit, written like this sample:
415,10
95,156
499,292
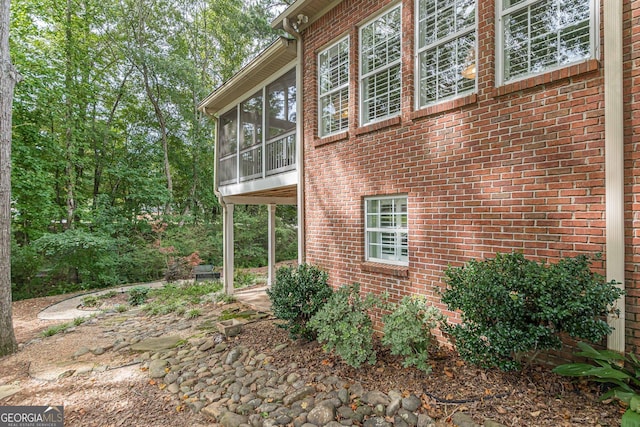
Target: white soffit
303,13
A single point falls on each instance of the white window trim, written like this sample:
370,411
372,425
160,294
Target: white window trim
418,50
385,230
594,42
338,89
362,77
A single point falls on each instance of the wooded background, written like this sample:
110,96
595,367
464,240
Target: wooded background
112,163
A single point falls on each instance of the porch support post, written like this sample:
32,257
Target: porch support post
272,245
227,237
614,163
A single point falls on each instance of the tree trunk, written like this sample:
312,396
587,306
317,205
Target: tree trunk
8,79
163,133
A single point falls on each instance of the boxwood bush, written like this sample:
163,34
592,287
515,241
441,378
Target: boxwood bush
510,305
297,294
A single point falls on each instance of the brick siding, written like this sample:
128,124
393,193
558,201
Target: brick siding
514,168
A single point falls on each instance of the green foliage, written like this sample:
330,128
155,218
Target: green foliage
55,329
510,305
83,257
297,294
138,295
194,313
79,321
90,301
407,330
26,266
243,279
343,325
224,298
173,298
610,367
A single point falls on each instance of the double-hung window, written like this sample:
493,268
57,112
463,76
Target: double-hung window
380,67
333,82
446,44
386,230
535,36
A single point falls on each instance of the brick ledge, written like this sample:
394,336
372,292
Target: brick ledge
318,142
378,125
392,270
551,76
444,106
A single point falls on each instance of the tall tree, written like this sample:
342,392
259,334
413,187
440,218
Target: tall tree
8,79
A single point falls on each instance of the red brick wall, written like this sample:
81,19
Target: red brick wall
519,167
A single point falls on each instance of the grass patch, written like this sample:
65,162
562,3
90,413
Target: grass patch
55,329
194,313
90,301
79,321
173,298
225,298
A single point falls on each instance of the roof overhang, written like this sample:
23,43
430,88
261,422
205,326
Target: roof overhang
303,13
261,68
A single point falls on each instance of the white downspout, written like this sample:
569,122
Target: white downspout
614,163
286,24
271,252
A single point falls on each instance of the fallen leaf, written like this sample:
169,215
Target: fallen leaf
501,410
152,382
535,414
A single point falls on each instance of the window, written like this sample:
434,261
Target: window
280,144
386,230
446,49
333,82
228,137
380,74
251,137
537,36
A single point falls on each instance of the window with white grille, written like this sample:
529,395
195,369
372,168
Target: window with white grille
333,82
446,43
386,230
380,73
538,36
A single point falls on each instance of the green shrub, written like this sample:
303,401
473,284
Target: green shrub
510,305
407,330
344,325
138,295
82,256
243,279
90,301
612,368
297,294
